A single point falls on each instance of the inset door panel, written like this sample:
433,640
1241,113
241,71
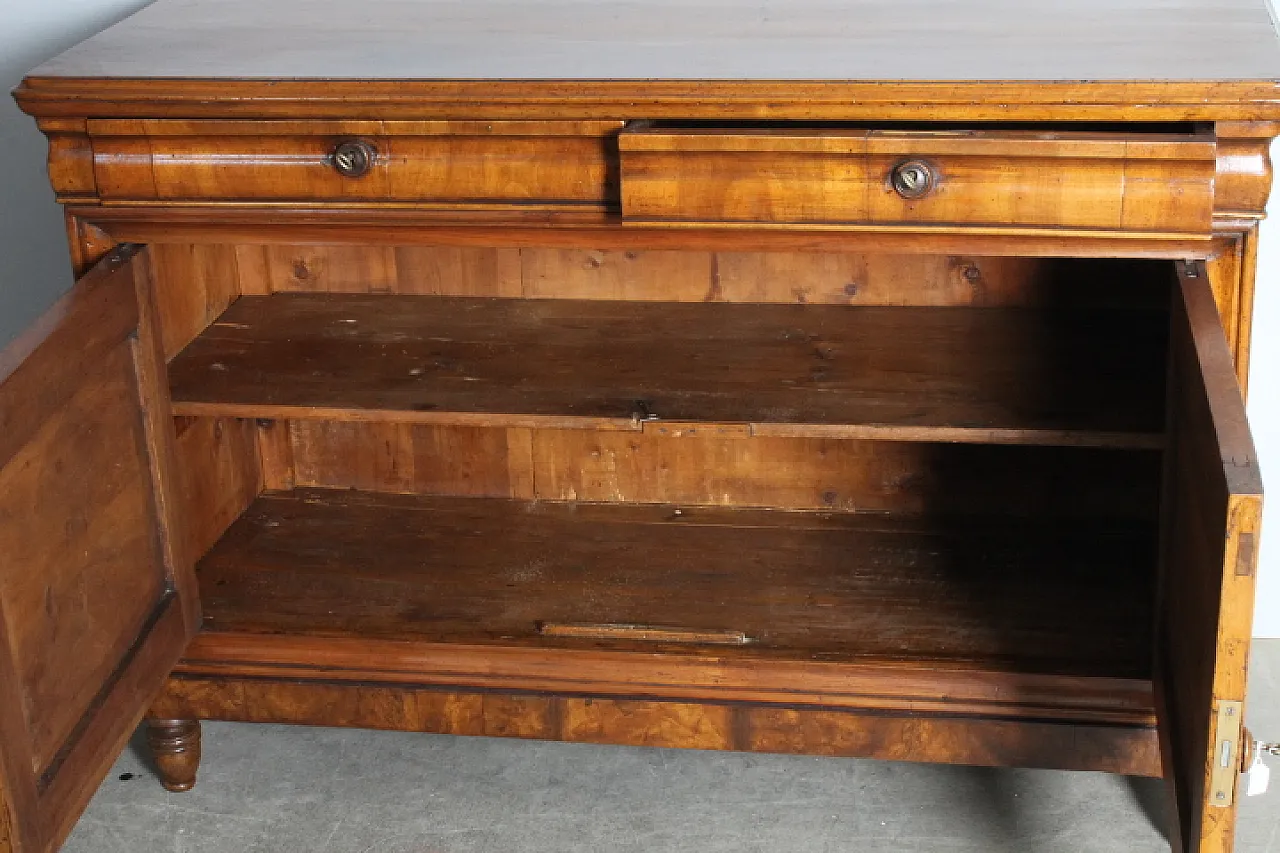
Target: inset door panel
91,594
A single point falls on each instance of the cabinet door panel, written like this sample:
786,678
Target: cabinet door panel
1213,503
95,605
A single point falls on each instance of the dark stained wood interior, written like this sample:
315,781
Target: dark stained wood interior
1071,598
1090,377
899,477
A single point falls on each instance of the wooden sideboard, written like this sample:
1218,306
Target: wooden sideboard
858,379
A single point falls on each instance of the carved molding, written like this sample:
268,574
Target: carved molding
1242,182
70,160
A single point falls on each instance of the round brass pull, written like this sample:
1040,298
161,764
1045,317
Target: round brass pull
913,179
354,158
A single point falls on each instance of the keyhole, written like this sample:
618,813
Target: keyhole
912,179
352,159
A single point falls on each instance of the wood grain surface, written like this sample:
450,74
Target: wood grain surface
522,481
1213,508
678,40
523,228
686,724
96,601
553,164
1122,179
710,467
1040,597
1089,378
199,278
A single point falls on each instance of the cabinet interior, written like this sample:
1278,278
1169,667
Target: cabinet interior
901,463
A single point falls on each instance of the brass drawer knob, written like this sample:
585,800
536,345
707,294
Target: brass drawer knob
913,179
354,158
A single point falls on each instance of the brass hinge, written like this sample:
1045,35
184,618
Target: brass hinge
1227,727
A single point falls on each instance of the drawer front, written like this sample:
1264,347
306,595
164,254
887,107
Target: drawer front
1012,179
552,164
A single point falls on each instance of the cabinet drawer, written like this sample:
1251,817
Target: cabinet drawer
1142,182
525,163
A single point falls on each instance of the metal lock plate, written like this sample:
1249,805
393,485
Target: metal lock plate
1227,727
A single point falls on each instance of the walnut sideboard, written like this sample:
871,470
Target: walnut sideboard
847,378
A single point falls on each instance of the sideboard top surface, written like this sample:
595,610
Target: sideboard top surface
887,40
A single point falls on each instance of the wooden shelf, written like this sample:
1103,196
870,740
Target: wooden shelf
1089,377
1005,612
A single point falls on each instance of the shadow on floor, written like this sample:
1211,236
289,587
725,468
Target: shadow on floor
1152,797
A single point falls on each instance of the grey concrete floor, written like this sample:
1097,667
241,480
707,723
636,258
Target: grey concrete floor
281,789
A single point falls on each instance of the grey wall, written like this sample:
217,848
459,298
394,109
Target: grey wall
34,269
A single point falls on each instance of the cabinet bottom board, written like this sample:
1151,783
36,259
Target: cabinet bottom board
1040,597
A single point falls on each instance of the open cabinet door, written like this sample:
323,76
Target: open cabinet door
1213,503
95,605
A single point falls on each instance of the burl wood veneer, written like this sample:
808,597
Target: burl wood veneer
857,380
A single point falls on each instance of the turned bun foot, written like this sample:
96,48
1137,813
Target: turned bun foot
175,746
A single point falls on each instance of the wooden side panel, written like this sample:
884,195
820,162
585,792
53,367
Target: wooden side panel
1226,270
779,277
402,458
275,455
96,597
323,269
218,477
817,473
898,477
457,271
591,274
1213,507
1233,277
839,278
858,279
193,285
688,724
